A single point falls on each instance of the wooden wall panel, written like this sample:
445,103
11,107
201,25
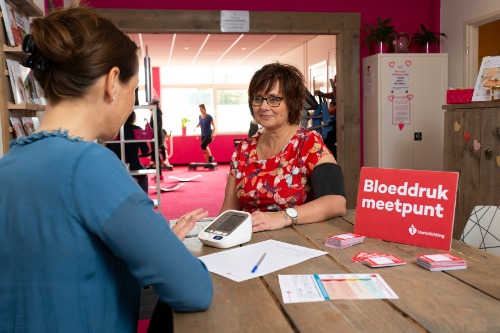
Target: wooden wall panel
479,175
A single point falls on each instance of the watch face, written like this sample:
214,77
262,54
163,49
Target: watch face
291,212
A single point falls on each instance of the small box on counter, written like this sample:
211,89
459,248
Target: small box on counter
459,96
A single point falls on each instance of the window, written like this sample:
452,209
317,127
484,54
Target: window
233,114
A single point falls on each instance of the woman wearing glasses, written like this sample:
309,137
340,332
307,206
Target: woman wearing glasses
284,175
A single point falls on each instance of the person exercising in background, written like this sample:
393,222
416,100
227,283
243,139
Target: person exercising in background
206,123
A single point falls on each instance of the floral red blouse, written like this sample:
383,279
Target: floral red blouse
281,181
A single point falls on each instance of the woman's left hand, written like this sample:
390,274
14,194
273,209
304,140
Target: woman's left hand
268,221
187,222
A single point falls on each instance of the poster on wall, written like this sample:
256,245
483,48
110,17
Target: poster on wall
489,76
400,87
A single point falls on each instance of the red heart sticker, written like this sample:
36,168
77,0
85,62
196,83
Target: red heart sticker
401,126
466,136
409,96
390,97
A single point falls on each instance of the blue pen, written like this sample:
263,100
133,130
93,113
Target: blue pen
258,263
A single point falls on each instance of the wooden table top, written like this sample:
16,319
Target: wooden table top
453,301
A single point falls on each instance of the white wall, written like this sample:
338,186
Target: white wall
313,52
454,15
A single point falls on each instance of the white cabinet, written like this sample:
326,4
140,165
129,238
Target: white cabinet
403,121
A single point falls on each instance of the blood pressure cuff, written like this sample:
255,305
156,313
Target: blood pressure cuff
327,179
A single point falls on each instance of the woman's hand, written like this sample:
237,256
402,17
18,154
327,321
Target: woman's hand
269,221
187,222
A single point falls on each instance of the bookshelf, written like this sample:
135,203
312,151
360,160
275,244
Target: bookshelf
8,107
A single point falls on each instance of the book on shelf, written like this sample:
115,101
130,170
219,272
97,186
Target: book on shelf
17,126
36,122
22,23
441,261
28,125
29,85
16,81
9,22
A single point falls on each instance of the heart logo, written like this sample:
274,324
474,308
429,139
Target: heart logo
390,97
412,230
466,136
401,126
456,126
408,63
391,64
477,145
409,96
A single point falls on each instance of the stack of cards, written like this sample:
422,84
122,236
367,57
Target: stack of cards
343,240
440,261
375,259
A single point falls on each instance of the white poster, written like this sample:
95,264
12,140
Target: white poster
489,76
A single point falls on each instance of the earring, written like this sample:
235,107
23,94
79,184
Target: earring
113,99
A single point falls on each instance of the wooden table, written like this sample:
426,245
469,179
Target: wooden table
453,301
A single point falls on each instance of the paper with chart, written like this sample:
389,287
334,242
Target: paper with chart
324,287
237,264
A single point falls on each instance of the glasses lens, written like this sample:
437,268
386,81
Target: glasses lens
257,101
273,101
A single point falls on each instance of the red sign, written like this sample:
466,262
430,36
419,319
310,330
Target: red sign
407,206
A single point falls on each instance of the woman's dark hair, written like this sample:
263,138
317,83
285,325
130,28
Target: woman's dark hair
77,46
290,82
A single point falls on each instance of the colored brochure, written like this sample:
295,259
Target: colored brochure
325,287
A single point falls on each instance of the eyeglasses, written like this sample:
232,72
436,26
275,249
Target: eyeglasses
271,101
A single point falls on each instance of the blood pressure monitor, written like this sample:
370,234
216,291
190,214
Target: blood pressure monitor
229,229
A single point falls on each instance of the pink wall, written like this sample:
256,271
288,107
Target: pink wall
406,15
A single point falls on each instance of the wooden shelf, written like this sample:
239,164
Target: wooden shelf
28,7
25,106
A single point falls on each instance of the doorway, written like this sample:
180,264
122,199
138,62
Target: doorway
345,26
476,34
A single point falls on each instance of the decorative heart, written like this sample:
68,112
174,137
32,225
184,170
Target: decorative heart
456,126
466,136
409,96
412,230
401,126
408,63
391,64
477,145
390,97
498,161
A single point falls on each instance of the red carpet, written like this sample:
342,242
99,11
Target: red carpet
205,192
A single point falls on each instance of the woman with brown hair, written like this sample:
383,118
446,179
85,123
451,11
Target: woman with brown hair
78,236
284,175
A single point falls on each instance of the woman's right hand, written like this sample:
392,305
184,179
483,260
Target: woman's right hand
187,222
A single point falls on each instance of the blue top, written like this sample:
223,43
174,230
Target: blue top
78,237
206,125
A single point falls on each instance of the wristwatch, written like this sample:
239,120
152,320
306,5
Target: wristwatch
292,213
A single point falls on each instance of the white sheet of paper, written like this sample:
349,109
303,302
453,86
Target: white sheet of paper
237,264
